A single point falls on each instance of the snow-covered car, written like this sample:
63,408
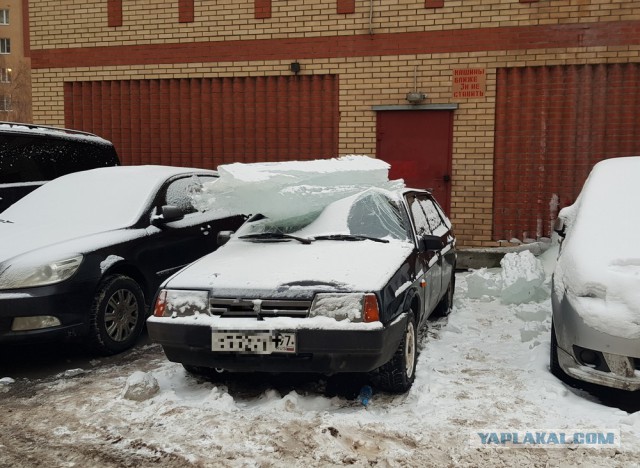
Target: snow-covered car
81,255
595,333
345,290
30,155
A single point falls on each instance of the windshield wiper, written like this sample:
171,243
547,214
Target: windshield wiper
276,235
350,237
6,221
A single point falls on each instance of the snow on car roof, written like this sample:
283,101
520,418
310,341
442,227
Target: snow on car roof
52,131
111,197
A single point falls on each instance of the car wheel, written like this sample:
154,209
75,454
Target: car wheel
445,305
399,373
117,315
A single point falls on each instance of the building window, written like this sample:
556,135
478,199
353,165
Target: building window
5,46
4,16
5,103
5,75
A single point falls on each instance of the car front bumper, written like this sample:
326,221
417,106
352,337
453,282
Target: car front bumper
617,359
69,303
326,351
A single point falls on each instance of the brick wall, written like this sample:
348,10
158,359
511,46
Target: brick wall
373,69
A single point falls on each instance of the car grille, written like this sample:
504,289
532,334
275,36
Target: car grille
268,308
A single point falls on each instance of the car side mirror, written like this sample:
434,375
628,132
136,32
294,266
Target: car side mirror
429,242
223,237
559,227
166,214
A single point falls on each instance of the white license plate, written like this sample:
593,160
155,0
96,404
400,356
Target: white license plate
247,342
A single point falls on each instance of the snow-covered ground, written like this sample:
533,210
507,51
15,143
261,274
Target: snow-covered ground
484,368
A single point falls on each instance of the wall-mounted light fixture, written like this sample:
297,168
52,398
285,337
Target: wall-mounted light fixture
295,67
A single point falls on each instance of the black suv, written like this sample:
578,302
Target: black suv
31,155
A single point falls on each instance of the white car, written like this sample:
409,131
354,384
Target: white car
595,334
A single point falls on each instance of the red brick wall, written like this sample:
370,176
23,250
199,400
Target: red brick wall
114,13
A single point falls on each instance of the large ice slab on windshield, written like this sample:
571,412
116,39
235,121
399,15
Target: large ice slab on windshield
292,188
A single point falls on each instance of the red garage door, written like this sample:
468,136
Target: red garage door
204,122
552,125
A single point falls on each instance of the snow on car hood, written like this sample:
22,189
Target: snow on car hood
286,269
599,265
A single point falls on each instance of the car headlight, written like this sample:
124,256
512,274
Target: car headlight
23,275
181,303
355,307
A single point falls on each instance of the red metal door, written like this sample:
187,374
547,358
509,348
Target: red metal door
417,144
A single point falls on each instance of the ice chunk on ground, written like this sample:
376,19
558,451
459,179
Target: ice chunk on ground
289,189
141,386
483,282
522,276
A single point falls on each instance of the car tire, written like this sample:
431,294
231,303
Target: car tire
443,308
117,315
398,374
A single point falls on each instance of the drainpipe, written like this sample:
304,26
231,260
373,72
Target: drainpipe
370,16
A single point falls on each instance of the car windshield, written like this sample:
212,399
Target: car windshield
374,214
106,198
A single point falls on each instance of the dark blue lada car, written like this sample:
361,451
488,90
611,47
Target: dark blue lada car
346,290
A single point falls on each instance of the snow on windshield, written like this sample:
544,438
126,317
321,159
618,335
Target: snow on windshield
290,189
600,261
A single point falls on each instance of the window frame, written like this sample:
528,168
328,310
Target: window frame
5,45
5,75
4,16
5,103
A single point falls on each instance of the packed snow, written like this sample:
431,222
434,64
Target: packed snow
484,368
599,268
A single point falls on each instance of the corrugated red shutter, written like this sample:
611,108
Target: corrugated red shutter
552,125
205,122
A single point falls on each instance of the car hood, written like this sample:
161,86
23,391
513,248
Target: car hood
291,269
18,239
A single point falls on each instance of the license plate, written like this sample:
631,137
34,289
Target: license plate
247,342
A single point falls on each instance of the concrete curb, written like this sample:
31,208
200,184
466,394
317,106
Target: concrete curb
475,258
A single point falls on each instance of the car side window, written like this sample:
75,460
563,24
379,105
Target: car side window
436,223
180,192
419,217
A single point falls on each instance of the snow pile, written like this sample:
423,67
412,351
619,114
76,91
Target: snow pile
520,280
292,188
522,276
4,384
141,386
599,268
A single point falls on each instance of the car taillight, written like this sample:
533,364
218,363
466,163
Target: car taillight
161,304
371,311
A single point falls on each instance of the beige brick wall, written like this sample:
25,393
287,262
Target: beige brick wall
82,23
364,81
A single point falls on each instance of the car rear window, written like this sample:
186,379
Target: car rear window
34,158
